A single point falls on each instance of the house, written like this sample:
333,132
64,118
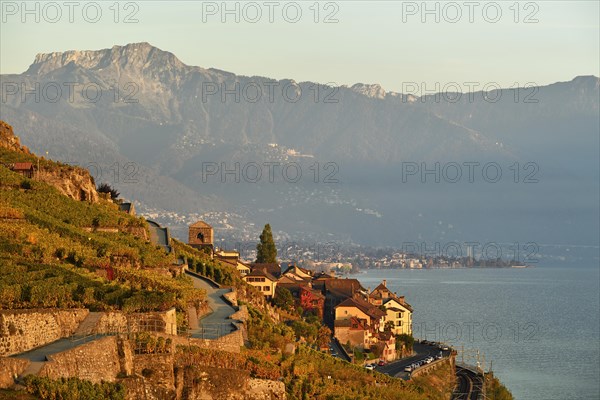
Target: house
399,317
263,281
304,295
380,293
297,273
359,308
319,279
341,289
338,290
354,331
312,300
240,266
272,268
24,168
232,258
227,254
386,344
243,268
398,311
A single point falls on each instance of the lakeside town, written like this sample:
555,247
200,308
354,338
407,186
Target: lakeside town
345,257
96,298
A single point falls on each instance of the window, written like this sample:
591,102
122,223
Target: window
266,288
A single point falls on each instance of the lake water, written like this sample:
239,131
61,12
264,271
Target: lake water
539,327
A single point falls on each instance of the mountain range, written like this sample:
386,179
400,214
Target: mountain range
158,129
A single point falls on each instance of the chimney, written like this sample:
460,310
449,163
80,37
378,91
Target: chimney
385,282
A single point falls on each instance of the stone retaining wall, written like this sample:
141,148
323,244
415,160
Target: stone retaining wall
22,330
427,368
96,361
10,368
232,342
158,373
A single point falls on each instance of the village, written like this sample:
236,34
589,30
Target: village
361,320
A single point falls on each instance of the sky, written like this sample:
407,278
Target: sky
393,43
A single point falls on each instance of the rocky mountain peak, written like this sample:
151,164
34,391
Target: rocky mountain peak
370,90
135,56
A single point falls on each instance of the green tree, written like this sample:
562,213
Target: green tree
405,339
266,251
106,188
283,298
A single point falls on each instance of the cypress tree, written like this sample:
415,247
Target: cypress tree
265,250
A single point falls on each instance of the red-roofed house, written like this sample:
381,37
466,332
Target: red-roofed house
312,300
24,168
398,311
354,331
357,307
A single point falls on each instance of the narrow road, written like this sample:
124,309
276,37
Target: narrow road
337,350
469,385
217,323
422,351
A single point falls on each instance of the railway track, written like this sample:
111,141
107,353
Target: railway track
469,385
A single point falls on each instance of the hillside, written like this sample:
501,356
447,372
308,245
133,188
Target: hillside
55,253
60,254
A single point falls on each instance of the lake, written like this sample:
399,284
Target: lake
537,327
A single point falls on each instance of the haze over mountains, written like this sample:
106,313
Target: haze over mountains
175,121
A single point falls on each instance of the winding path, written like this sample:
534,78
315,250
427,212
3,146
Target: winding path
218,323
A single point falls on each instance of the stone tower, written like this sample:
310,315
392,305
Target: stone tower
201,235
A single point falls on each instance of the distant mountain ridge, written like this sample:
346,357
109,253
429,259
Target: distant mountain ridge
170,119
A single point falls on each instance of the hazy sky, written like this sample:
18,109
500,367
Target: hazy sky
392,43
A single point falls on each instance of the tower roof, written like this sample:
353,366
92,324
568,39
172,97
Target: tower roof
200,224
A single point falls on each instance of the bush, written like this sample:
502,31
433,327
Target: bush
73,389
26,184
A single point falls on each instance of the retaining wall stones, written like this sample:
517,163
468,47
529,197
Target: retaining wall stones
10,368
95,361
22,330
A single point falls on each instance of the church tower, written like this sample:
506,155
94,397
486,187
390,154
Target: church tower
201,235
